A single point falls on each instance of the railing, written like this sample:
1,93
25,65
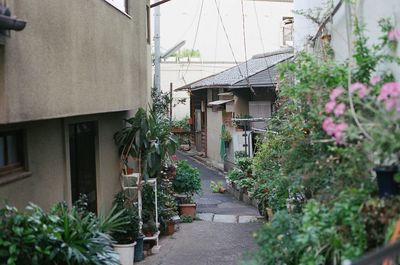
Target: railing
388,255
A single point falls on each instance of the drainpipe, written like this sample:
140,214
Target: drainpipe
10,23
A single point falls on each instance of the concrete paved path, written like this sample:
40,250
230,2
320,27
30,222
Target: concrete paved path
222,237
216,203
205,243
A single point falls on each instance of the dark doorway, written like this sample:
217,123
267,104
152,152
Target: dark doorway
82,146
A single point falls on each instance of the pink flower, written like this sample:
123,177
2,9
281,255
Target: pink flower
335,93
391,103
338,133
375,80
339,110
394,34
391,89
360,87
330,106
329,126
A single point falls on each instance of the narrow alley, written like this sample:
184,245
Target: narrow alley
223,235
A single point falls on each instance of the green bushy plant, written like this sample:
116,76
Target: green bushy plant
129,232
216,186
332,233
244,163
61,236
186,219
235,174
187,179
147,135
277,240
303,162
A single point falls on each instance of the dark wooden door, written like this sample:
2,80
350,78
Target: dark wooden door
82,145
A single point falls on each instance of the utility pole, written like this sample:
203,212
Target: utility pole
170,102
157,50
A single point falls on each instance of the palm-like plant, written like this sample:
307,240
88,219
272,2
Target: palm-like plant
147,136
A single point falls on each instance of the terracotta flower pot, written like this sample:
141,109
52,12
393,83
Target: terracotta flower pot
170,229
188,209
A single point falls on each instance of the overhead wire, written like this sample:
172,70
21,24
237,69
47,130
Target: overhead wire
227,37
195,39
245,47
216,36
261,39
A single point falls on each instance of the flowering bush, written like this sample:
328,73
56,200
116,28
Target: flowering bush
369,112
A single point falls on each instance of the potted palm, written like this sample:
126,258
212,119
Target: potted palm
187,181
126,235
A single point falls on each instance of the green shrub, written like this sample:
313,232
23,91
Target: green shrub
61,236
277,240
235,174
186,219
244,163
129,232
246,183
332,233
216,186
187,179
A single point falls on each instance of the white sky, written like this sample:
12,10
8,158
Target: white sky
179,20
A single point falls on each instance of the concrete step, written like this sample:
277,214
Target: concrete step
229,218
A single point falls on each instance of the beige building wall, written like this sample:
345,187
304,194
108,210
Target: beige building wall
74,57
180,73
47,149
214,123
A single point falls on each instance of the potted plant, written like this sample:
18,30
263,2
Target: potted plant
187,181
217,187
226,137
149,228
126,236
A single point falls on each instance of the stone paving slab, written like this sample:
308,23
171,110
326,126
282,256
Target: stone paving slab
220,218
209,217
248,219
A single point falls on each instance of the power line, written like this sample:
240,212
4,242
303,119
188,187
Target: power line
227,37
216,35
261,38
245,48
195,38
244,38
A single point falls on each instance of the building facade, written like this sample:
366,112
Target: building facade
67,81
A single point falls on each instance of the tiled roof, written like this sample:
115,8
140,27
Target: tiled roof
261,72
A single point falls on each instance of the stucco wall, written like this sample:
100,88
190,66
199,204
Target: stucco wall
48,160
214,123
74,57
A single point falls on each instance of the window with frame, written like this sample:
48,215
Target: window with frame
120,4
11,152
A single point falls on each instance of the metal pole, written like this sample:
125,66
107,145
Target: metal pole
170,102
157,49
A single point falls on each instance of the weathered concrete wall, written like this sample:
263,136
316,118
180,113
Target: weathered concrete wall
47,148
74,57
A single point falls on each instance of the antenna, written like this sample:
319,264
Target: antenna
173,49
